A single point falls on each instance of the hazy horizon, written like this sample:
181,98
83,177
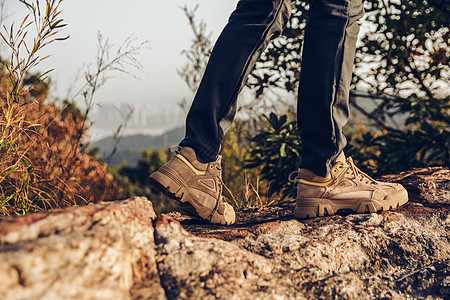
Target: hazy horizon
162,23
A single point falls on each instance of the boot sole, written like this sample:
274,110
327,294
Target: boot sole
176,189
318,207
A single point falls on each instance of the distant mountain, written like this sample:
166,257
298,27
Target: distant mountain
130,147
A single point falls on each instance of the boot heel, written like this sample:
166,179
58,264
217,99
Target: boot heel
169,186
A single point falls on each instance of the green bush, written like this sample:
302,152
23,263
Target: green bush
276,152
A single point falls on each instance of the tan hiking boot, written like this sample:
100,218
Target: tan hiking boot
346,187
196,185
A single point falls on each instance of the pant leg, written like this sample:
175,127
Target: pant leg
237,49
326,71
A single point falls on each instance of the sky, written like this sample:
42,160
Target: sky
161,22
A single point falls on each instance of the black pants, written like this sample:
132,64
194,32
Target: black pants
327,63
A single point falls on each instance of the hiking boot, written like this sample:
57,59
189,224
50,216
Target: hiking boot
198,186
346,187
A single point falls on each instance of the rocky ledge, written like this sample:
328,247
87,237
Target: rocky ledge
122,250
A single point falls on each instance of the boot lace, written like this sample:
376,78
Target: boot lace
358,174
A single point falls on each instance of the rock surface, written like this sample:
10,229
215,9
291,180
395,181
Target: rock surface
122,250
103,251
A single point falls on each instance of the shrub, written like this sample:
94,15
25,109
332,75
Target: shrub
276,152
42,165
42,161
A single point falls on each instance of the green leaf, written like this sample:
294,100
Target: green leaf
29,167
283,150
8,171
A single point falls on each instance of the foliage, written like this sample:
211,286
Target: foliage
41,163
276,152
242,187
279,66
408,54
47,23
399,151
18,132
402,69
43,160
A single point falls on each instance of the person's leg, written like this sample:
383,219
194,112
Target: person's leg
193,176
327,181
239,46
326,71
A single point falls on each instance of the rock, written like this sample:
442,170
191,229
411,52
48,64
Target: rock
425,185
102,251
204,268
122,251
339,257
391,255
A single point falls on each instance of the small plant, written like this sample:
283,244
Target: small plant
277,153
197,55
19,134
25,54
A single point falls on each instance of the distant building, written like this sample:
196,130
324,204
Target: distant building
144,120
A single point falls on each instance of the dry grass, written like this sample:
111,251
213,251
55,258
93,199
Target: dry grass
42,162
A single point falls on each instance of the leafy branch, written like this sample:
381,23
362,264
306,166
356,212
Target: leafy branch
48,24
